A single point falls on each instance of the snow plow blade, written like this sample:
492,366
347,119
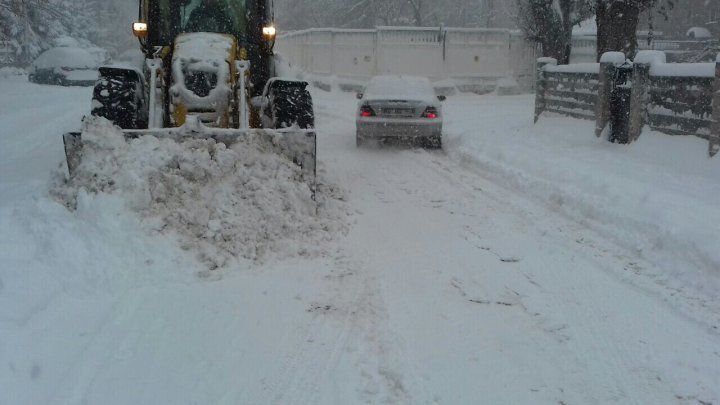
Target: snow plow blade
297,145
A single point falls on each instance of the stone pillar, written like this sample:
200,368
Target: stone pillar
608,62
540,84
714,145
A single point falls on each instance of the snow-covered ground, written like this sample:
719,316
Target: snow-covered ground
522,264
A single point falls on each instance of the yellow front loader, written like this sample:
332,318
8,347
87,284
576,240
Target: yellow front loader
208,72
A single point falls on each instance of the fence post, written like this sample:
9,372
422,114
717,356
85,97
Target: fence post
714,141
640,82
540,84
608,63
332,52
378,52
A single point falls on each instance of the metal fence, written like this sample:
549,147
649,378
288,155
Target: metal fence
681,104
584,49
570,89
673,98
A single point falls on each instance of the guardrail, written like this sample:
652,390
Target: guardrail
672,98
469,56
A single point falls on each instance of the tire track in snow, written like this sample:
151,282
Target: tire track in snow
578,326
313,348
609,255
588,327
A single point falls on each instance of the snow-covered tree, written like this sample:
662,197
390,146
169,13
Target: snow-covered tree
33,25
113,20
617,23
550,23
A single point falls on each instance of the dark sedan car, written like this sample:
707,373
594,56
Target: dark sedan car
66,66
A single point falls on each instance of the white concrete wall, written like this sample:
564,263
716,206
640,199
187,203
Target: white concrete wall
468,55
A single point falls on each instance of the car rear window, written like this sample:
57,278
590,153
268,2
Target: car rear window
400,87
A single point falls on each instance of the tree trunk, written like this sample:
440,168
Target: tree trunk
566,7
417,11
547,27
490,17
616,27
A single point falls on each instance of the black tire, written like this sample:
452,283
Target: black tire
359,140
117,98
292,106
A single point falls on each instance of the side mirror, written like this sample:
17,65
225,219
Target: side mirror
441,98
359,96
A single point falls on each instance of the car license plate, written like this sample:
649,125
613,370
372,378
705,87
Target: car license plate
398,111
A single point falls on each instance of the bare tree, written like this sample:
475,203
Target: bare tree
31,24
490,13
424,12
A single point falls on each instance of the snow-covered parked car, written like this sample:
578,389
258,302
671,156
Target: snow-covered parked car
66,66
399,107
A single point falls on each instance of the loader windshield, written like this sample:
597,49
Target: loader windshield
177,16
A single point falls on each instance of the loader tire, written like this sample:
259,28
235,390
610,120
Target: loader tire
119,100
293,106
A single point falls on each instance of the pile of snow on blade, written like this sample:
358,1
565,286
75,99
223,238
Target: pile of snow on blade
243,201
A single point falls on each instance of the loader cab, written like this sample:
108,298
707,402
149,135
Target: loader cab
250,22
220,16
169,18
246,20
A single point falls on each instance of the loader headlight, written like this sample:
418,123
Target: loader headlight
269,32
140,29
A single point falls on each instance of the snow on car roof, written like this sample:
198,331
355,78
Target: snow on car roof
66,57
414,87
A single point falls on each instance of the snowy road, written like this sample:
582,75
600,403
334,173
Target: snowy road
454,285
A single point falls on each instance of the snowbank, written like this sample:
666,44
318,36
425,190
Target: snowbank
243,201
658,197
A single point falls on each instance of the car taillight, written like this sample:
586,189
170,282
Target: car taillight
430,112
366,111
